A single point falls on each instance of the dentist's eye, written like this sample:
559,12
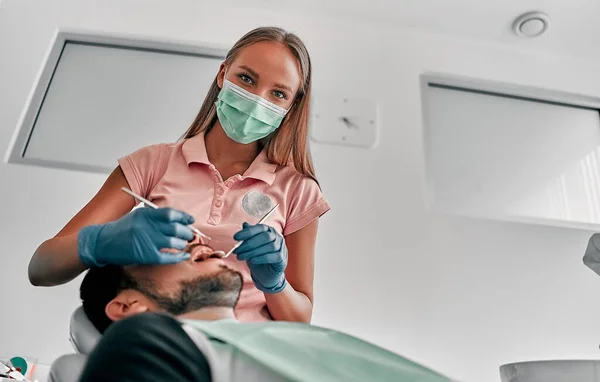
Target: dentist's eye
279,94
246,78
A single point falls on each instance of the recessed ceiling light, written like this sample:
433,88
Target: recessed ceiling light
531,24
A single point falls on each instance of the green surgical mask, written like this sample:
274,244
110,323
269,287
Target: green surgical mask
246,117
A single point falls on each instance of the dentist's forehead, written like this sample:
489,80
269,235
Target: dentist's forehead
273,61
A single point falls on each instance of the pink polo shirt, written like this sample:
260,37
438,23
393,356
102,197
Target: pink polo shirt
180,176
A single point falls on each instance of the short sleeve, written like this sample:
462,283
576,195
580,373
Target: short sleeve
140,168
307,204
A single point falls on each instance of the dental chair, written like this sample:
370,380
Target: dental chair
224,367
84,337
551,371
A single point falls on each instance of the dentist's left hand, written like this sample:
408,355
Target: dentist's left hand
265,252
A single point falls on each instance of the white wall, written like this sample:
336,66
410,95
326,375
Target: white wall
462,296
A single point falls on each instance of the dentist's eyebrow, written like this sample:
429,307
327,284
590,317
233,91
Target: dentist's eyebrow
250,70
284,87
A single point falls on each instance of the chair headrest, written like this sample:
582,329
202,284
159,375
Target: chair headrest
67,368
83,334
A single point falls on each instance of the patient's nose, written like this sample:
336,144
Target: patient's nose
195,240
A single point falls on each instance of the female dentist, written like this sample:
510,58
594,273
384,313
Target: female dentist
246,151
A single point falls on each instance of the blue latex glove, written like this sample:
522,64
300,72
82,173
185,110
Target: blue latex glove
265,252
137,238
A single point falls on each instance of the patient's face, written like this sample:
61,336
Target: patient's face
202,281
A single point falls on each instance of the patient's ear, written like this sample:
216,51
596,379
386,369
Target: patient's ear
127,303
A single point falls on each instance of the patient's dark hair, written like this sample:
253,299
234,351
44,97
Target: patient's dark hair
98,288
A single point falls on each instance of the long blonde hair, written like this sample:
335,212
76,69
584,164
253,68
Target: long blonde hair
289,143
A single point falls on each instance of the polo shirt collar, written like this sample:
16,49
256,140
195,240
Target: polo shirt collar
194,151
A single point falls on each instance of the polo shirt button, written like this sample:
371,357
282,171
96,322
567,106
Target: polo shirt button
218,203
220,191
229,183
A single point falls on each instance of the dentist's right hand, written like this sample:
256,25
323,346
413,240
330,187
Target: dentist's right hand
137,238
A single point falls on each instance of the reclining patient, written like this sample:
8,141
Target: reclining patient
140,310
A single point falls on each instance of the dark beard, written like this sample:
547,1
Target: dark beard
220,289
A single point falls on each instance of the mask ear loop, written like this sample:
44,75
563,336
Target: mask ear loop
224,77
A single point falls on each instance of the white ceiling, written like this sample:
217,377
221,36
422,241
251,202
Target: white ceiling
574,26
